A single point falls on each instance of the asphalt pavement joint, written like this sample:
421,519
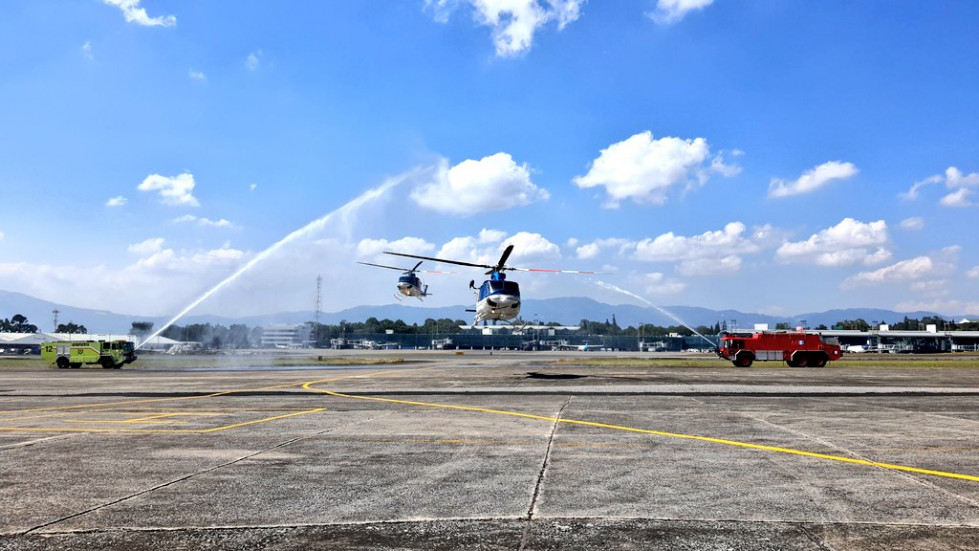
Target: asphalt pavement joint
543,471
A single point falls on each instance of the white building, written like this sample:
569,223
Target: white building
287,336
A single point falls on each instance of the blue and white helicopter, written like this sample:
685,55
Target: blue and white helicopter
496,298
409,284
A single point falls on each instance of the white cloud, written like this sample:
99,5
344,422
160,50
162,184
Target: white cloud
963,187
658,284
87,50
513,22
116,201
672,11
148,247
253,61
812,180
487,247
913,223
958,198
369,248
591,250
847,243
204,222
176,190
903,271
169,261
644,169
490,184
196,75
252,187
1,235
531,246
973,273
135,14
708,253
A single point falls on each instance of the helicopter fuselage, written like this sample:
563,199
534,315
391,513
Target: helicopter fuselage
498,299
411,286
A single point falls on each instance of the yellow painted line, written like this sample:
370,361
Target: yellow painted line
748,445
160,431
226,427
160,418
203,396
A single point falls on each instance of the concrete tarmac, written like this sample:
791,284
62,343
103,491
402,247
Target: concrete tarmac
480,451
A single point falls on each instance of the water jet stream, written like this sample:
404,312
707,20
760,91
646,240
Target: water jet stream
347,209
663,311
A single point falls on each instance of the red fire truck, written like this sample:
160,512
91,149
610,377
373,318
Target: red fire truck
795,348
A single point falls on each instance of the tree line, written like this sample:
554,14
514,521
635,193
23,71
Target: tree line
243,336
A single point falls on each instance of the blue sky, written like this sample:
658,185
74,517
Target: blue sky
779,157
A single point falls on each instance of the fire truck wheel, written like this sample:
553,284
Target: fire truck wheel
801,360
743,360
62,363
107,363
819,361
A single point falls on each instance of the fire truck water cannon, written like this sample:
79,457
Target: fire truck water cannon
795,348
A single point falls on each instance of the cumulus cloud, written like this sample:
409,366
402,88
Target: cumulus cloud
962,187
490,184
133,13
147,247
658,284
913,223
591,250
958,198
175,190
203,222
368,248
903,271
708,253
116,201
845,244
812,180
513,22
645,169
672,11
973,273
196,75
487,247
87,50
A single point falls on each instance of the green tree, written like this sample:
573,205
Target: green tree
71,328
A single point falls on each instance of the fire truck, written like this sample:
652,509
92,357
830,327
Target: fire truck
797,349
108,354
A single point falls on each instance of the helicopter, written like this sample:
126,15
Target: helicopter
409,284
496,299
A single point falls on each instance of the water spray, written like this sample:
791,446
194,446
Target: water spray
346,210
663,311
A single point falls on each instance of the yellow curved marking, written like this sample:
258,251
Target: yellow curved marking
179,398
308,386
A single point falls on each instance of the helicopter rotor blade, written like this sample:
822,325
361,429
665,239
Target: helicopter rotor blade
415,269
382,266
434,259
504,257
542,270
501,265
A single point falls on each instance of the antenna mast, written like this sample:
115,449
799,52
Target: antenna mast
55,312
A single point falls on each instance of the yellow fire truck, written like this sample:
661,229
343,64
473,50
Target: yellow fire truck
108,354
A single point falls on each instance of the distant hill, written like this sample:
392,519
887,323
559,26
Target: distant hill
567,311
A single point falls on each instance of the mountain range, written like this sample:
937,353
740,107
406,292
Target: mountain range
567,311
